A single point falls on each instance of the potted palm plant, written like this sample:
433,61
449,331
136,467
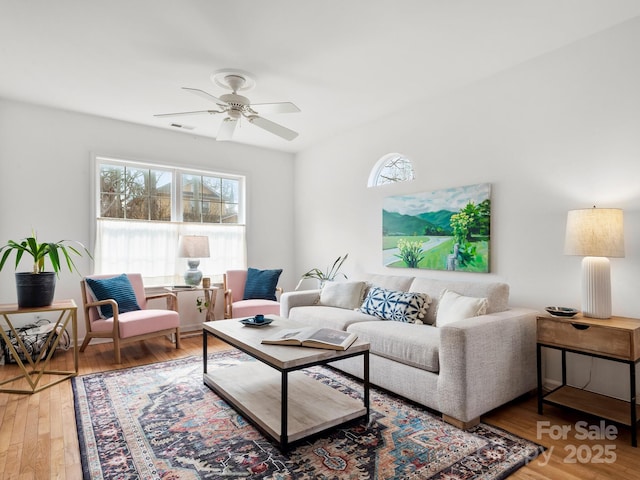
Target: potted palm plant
36,288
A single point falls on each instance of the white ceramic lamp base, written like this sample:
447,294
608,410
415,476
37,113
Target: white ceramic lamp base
193,275
596,287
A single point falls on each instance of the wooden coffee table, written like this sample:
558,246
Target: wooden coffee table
285,404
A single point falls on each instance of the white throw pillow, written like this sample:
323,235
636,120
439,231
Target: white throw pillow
347,295
453,306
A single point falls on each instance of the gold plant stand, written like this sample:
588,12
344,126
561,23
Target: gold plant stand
35,371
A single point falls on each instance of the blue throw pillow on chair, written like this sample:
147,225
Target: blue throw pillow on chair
261,284
117,288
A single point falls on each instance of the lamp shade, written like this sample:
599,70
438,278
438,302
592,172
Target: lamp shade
595,232
193,246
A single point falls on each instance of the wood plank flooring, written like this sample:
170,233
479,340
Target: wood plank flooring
38,438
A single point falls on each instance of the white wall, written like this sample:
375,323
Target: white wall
45,164
557,133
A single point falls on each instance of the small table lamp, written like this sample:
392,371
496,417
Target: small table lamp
193,247
596,234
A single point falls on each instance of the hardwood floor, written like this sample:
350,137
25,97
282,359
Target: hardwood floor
38,438
604,453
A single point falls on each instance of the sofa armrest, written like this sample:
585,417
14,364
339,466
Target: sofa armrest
302,298
486,361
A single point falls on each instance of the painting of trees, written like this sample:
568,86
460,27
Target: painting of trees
441,230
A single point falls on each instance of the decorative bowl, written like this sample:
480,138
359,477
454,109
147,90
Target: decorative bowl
256,322
561,311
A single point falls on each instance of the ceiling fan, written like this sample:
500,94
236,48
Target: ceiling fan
237,106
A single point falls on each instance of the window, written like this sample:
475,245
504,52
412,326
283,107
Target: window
135,193
142,209
392,168
209,199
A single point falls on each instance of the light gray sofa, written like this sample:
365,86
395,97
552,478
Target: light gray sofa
462,369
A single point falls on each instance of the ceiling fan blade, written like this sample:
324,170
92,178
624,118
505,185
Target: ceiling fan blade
205,95
226,130
272,127
186,113
282,107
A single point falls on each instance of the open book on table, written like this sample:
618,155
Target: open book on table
313,337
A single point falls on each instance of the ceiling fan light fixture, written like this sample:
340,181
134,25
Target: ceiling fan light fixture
226,130
237,106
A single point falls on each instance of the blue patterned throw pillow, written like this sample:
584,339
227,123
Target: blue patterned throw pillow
408,307
261,284
117,288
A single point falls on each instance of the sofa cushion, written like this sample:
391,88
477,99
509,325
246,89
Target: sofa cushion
453,307
114,288
408,343
347,295
390,282
497,294
330,317
395,305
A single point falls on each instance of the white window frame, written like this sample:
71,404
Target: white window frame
150,247
376,177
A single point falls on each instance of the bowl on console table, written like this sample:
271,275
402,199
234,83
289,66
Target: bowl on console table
561,311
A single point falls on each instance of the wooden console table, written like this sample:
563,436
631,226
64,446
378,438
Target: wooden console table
33,371
616,339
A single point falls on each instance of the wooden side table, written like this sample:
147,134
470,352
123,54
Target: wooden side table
616,339
210,294
34,369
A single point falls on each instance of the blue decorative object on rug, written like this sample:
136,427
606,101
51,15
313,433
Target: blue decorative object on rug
261,284
161,421
117,288
408,307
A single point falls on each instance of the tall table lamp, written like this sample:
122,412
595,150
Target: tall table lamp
596,234
193,247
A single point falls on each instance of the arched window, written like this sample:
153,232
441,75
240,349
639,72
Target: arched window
391,168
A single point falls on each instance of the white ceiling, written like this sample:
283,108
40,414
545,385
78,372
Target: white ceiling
342,62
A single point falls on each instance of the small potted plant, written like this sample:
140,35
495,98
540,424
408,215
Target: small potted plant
36,288
201,304
328,276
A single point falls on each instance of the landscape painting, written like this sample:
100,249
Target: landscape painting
441,230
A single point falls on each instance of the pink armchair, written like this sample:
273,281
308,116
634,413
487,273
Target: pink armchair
129,326
235,304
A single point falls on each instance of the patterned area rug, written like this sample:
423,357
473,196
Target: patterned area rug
161,421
